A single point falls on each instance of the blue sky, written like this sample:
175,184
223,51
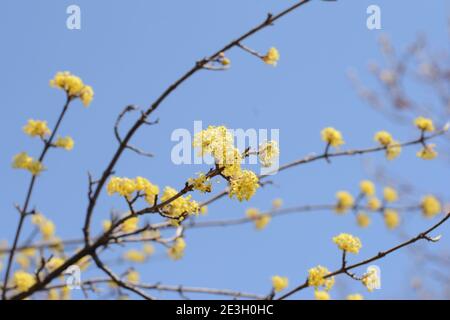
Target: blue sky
130,51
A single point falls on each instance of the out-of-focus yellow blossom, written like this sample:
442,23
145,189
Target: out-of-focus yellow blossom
133,276
23,261
106,225
384,138
268,152
135,256
53,294
54,263
367,187
148,249
393,150
345,201
316,278
279,283
65,293
391,218
244,186
74,87
260,220
180,206
28,252
47,229
424,124
65,143
201,183
390,194
36,128
430,206
363,219
371,280
204,210
35,167
277,203
348,243
37,218
130,225
23,280
374,204
151,234
272,56
355,296
332,136
176,252
252,213
24,161
321,295
427,152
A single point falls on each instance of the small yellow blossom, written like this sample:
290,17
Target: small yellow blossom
37,218
427,152
24,161
374,204
430,206
316,278
65,143
36,128
252,213
279,283
355,296
244,186
148,249
86,95
135,256
29,252
176,252
23,280
390,194
391,218
23,261
54,263
363,219
133,276
345,201
393,150
367,188
321,295
47,229
384,138
424,124
179,207
332,136
201,183
123,186
371,279
74,87
130,225
36,167
348,243
268,152
277,203
272,56
262,221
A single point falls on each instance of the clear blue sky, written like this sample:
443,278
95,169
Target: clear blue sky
130,51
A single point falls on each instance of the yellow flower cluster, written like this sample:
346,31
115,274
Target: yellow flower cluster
268,152
363,219
180,206
279,283
244,186
316,278
133,276
348,243
261,220
321,295
64,143
74,87
371,280
427,152
126,187
390,194
23,280
430,206
391,218
393,147
272,56
54,263
355,296
139,256
424,124
374,204
367,188
201,183
130,225
26,162
176,252
36,128
46,227
384,138
332,137
345,201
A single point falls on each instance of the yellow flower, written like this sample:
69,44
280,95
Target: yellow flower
133,276
53,294
23,280
384,138
277,203
393,150
268,152
390,194
176,252
430,206
347,242
363,220
316,278
23,261
272,56
22,161
244,186
371,279
148,249
179,207
424,124
29,252
367,187
123,186
262,221
86,95
54,263
391,218
65,293
427,152
65,143
74,87
201,183
35,167
37,218
345,201
130,225
134,256
279,283
106,225
374,204
321,295
252,213
332,137
36,128
47,229
355,296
